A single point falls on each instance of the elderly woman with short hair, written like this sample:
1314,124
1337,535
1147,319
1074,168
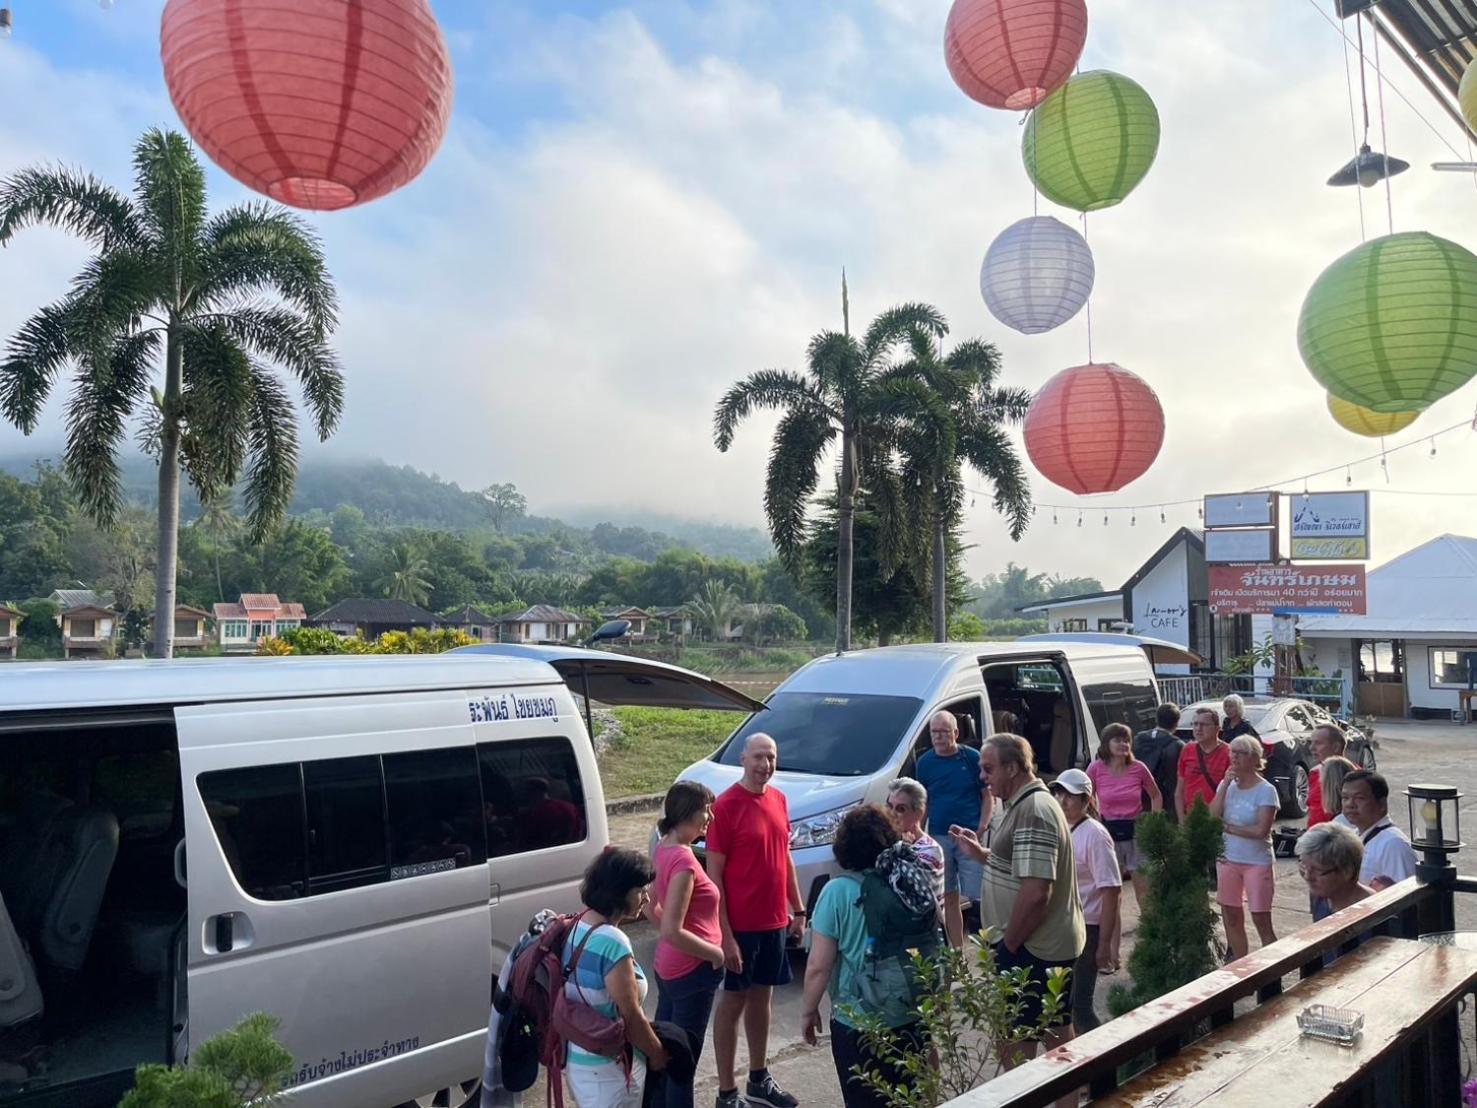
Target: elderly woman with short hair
1235,723
1246,803
907,805
1329,857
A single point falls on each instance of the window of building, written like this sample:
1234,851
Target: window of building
5,631
1074,625
84,628
1109,624
532,796
1200,630
259,628
186,629
1232,638
288,625
1453,667
1382,661
233,629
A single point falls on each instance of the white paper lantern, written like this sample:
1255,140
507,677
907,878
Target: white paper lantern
1036,275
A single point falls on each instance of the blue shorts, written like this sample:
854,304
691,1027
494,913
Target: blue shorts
766,960
962,874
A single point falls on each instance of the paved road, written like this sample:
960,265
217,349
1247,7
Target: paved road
1409,752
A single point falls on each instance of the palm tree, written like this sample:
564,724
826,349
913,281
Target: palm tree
407,579
846,394
220,523
217,299
714,608
964,422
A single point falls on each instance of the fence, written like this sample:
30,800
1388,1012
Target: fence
1187,689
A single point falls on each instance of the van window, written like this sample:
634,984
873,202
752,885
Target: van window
257,813
532,796
1132,702
435,805
346,823
836,734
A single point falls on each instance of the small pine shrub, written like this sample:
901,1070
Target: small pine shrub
240,1067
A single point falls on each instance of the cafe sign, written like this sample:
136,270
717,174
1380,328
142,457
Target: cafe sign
1330,525
1266,589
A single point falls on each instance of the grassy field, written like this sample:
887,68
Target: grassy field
658,744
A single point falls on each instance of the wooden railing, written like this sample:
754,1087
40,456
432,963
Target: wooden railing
1165,1026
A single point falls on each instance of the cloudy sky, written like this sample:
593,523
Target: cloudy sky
639,202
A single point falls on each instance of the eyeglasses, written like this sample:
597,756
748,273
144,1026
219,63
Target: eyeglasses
1309,871
901,809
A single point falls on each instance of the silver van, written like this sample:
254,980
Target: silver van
351,844
847,724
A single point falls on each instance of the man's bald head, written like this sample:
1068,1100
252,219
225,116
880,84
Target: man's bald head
943,732
760,759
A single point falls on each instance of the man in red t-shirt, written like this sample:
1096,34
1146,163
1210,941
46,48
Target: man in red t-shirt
1325,742
748,848
1203,763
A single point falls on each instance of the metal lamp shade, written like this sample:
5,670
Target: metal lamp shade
1037,275
1392,325
1094,428
1012,53
1090,143
1374,425
320,104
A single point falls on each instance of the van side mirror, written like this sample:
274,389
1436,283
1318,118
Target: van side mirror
615,629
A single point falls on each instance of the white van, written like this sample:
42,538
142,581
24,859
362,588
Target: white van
848,724
351,844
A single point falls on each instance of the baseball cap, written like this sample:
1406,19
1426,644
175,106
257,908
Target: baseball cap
1074,781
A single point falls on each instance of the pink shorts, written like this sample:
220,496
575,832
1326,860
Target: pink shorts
1233,880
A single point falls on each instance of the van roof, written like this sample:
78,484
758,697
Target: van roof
915,669
48,686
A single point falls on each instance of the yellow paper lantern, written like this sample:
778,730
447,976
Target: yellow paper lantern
1466,95
1362,421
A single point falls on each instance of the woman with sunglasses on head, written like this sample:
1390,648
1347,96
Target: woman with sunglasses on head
907,804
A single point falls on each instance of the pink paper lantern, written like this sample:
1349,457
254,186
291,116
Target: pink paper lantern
1094,428
320,104
1012,53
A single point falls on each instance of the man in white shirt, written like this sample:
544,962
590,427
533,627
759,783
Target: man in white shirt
1388,856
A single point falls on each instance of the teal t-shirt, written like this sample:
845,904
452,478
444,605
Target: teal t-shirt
838,916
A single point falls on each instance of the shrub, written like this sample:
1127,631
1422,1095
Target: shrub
318,640
240,1067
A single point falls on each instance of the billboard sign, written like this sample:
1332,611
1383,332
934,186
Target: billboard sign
1251,545
1241,509
1331,525
1268,589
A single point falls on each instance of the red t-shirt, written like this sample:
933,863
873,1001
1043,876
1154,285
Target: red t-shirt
702,909
1217,761
1316,812
752,832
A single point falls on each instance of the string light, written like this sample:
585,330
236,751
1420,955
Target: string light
1433,446
1105,519
1079,519
1053,517
1348,478
1133,520
1161,513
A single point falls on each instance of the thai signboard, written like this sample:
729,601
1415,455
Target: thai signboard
1252,545
1330,525
1265,589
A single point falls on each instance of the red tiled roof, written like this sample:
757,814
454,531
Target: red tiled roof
252,607
292,611
227,611
257,600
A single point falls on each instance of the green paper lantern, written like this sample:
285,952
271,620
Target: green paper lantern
1392,325
1090,143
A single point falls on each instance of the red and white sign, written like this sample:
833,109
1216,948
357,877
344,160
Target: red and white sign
1264,589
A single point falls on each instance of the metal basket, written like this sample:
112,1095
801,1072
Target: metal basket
1335,1025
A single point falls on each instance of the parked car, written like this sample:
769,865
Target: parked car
1286,725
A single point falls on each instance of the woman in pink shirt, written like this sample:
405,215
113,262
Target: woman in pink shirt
1120,782
689,945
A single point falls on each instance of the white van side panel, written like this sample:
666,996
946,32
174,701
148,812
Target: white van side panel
355,975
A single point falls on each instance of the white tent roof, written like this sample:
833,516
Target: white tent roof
1426,593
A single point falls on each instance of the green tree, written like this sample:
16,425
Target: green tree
714,608
296,561
240,1067
407,576
167,282
845,398
504,503
963,422
220,526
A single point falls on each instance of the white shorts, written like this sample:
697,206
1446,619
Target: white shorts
606,1086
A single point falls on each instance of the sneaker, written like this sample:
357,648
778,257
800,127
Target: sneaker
730,1100
767,1094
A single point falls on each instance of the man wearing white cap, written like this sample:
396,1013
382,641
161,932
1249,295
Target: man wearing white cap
1099,883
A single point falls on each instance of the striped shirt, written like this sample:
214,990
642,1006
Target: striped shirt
586,985
1033,840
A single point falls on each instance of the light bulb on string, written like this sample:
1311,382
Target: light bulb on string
1079,519
1053,517
1433,446
1161,513
1105,519
1199,511
971,502
1133,520
1348,478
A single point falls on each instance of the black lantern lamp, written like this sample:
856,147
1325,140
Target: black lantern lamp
1435,829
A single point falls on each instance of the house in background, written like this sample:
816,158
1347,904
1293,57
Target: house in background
473,621
189,628
240,626
541,623
10,621
639,618
81,598
676,623
87,630
371,617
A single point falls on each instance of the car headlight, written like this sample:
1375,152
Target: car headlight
817,830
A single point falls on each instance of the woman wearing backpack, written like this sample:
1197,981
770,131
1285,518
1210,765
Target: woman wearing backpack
844,957
604,976
689,951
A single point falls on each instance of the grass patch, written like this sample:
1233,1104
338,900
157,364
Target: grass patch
658,744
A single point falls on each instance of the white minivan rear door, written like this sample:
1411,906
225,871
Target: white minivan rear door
337,876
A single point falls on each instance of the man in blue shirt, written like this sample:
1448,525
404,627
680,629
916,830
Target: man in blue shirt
956,795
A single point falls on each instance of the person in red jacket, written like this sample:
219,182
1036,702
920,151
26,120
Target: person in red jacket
1326,742
1203,763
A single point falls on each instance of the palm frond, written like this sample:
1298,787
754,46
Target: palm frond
894,325
110,297
888,501
104,395
976,358
989,450
1004,405
257,247
764,388
33,358
800,440
272,445
79,204
170,185
219,383
280,335
833,360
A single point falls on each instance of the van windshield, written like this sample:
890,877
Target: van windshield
840,735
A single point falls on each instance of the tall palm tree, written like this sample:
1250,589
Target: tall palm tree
964,423
845,398
714,608
215,300
407,579
219,522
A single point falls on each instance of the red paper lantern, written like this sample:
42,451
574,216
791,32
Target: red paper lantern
1094,428
317,103
1012,53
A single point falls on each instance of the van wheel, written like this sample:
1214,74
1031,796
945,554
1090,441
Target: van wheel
464,1094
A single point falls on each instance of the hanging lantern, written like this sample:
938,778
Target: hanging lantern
1012,53
1094,428
336,104
1090,143
1374,425
1037,275
1466,95
1392,325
